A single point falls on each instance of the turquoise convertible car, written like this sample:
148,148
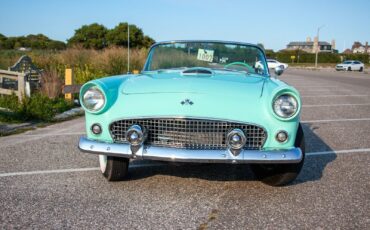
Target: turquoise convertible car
196,101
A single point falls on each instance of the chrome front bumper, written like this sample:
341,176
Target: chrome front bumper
189,155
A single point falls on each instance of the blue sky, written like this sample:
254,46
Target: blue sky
273,23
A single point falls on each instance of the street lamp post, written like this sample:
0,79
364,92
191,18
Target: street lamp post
128,48
318,45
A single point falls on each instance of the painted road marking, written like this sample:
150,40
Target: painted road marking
55,134
69,170
365,150
47,172
336,120
338,152
338,95
332,105
312,85
325,90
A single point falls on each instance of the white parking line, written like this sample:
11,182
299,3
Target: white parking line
336,120
339,152
313,86
333,105
365,150
324,90
55,134
47,172
69,170
338,95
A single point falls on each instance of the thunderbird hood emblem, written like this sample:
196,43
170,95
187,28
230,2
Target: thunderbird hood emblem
187,102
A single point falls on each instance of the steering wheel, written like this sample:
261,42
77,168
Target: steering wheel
238,63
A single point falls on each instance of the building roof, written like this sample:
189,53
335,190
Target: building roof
321,43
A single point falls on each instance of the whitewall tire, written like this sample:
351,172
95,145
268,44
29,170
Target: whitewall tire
113,168
103,163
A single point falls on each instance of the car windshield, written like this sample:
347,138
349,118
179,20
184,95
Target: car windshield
214,55
347,62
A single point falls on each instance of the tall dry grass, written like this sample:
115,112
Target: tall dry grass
51,83
111,60
90,64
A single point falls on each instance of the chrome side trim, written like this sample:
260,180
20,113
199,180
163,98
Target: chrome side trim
185,155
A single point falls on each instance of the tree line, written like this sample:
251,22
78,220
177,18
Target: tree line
38,41
301,56
93,36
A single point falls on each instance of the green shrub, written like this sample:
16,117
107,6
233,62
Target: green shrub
364,58
36,107
10,102
61,105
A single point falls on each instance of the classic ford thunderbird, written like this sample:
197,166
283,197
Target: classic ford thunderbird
196,101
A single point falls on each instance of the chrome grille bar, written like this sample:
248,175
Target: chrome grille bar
189,133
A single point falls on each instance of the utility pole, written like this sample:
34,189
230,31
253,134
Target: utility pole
128,48
318,45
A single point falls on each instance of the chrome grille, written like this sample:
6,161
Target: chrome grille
188,133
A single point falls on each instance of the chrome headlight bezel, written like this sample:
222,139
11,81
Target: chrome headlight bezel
93,99
285,99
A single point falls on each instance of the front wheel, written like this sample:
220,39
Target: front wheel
281,174
361,69
349,69
113,168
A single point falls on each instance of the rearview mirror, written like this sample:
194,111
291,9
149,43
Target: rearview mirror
279,70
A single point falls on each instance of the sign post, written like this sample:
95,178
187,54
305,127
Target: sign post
293,58
68,81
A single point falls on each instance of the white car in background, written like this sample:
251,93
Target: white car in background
350,65
272,64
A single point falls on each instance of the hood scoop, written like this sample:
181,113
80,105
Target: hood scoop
197,71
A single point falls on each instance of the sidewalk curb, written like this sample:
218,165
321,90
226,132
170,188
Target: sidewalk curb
329,69
7,129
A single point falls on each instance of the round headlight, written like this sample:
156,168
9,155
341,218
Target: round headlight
285,106
93,99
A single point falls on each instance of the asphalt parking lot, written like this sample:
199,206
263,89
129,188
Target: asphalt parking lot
45,182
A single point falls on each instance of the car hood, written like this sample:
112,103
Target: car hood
174,82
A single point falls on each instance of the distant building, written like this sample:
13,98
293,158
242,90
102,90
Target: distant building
357,47
347,51
310,46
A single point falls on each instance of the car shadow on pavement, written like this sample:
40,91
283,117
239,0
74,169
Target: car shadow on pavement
313,168
314,165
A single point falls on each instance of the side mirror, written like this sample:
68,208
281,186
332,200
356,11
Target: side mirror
279,70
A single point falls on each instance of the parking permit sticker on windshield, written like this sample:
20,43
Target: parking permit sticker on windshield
205,55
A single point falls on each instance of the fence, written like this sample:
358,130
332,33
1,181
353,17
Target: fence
13,82
21,78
